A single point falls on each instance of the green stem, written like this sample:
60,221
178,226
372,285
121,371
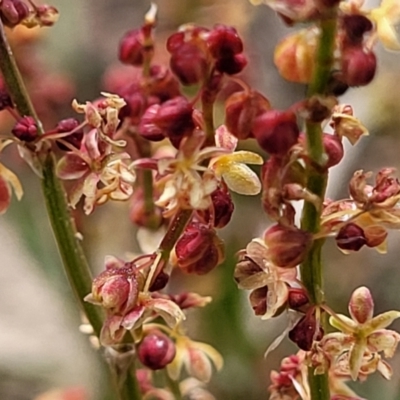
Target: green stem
311,269
174,387
207,105
175,230
74,260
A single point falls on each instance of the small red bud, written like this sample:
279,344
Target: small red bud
12,12
199,250
231,65
159,282
333,149
358,66
297,299
287,246
156,350
355,25
131,48
26,129
351,237
224,42
258,300
241,109
189,64
148,127
304,333
276,131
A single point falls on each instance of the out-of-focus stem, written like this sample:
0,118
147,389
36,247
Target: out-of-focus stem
74,260
174,387
311,269
207,106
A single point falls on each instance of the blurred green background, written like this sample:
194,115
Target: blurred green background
40,344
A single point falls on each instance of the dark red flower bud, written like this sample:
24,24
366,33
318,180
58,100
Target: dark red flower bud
199,250
12,12
355,25
156,350
241,109
297,299
131,48
258,300
231,65
336,85
351,237
26,129
333,149
189,63
164,85
276,131
287,245
224,42
159,282
175,41
221,210
134,108
358,66
305,332
67,125
148,127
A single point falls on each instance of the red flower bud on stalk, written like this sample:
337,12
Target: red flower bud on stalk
355,26
276,131
358,66
199,250
221,210
13,12
224,42
351,237
333,149
298,299
189,63
306,331
231,65
26,129
156,350
287,245
241,109
132,48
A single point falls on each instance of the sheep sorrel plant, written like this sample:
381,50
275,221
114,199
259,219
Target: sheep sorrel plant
157,138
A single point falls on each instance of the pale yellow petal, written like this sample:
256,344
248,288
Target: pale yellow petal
241,179
13,180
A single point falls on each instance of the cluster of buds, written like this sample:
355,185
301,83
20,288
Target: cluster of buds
15,12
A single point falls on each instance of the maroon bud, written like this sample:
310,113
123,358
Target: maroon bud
333,149
148,127
358,66
67,125
199,250
276,131
221,210
174,118
134,108
131,48
175,41
12,12
26,129
336,85
287,245
258,300
224,42
189,64
355,25
164,85
305,332
231,65
297,299
241,109
351,237
156,350
159,282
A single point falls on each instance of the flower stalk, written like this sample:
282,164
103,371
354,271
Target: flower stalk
74,261
312,269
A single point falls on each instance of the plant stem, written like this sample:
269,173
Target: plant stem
311,269
207,105
74,260
174,387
